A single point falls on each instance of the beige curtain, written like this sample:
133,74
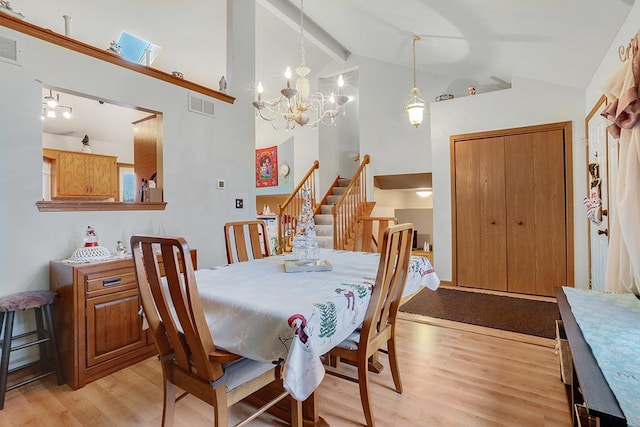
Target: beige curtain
623,262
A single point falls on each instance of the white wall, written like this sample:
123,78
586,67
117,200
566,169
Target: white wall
196,153
527,103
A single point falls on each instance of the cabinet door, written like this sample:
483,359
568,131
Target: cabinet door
114,327
480,214
103,173
73,175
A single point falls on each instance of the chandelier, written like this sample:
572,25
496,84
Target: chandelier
297,105
415,106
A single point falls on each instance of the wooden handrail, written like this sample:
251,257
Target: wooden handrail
289,211
105,55
350,206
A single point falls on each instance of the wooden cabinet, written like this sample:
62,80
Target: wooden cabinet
512,209
82,175
97,318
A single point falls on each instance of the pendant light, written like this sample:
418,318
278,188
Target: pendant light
415,105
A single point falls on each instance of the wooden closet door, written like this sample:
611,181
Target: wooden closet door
535,212
480,214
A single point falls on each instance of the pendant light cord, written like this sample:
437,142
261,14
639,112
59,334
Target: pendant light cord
415,39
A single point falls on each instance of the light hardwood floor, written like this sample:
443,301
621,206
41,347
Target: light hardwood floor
452,376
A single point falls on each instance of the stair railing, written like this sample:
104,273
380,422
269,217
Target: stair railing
351,205
289,211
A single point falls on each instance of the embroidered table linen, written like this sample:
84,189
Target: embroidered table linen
257,310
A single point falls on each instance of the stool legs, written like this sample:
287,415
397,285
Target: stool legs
7,331
54,344
49,357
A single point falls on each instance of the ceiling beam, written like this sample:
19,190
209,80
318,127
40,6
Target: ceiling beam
290,14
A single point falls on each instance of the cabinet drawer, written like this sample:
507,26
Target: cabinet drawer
110,281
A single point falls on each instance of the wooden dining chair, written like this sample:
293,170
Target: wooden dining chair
369,232
246,240
378,328
189,357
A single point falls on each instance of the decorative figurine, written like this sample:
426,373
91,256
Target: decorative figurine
90,237
91,251
471,90
305,244
120,248
115,48
85,144
222,84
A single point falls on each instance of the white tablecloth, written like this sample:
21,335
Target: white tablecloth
257,310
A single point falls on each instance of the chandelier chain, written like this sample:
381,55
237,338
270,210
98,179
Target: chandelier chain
302,52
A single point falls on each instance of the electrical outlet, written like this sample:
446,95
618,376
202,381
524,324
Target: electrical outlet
220,184
239,204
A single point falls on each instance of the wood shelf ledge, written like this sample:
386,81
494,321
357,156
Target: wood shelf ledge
87,205
107,56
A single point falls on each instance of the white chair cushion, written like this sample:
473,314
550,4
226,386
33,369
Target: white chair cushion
243,370
351,342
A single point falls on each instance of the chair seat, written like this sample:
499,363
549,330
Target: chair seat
242,371
26,300
351,342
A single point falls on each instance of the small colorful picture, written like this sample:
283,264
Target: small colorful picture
267,167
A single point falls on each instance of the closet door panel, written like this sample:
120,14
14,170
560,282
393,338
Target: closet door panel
520,211
550,210
480,214
469,258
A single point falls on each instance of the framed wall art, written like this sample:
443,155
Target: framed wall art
267,167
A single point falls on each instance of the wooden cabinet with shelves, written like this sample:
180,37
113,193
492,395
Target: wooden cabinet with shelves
82,175
97,318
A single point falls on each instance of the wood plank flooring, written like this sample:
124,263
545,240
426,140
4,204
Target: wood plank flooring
451,377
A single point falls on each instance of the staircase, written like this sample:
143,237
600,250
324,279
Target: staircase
324,219
335,215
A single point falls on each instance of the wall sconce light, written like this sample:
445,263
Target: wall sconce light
424,193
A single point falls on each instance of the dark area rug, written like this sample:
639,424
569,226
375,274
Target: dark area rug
513,314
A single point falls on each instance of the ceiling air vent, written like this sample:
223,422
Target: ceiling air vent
8,50
200,105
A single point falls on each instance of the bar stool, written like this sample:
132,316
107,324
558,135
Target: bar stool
49,361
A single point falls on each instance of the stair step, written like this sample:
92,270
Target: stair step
344,182
324,230
323,219
325,242
332,200
339,190
326,210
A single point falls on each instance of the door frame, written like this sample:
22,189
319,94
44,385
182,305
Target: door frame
597,107
566,128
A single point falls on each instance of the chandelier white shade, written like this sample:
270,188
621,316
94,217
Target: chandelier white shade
415,106
297,105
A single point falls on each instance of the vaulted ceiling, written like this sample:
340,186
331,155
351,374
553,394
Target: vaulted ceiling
483,43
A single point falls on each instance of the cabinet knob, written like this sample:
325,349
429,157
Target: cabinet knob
520,223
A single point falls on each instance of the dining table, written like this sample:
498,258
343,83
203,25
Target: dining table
258,310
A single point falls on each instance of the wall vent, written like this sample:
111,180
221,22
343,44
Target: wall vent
201,105
9,50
